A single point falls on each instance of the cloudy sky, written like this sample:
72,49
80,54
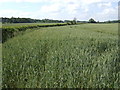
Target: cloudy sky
101,10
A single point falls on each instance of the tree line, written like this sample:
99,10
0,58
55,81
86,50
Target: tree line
69,22
93,21
28,20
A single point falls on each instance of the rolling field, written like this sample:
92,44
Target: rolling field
74,56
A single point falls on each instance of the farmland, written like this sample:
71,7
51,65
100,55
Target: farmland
11,30
73,56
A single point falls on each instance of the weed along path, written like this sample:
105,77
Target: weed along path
74,56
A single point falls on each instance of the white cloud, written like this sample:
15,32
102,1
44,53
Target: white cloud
72,8
50,8
68,9
119,12
107,14
108,4
22,0
15,13
65,9
62,1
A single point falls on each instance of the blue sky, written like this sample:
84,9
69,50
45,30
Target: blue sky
100,10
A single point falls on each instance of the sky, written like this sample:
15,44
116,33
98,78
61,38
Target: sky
83,10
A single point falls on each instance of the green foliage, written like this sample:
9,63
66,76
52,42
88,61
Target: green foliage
113,21
9,31
84,56
28,20
71,22
92,20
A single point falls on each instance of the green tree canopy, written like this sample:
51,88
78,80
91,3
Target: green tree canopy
92,20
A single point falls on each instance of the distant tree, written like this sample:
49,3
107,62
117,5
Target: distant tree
98,22
109,21
28,20
75,21
92,20
118,21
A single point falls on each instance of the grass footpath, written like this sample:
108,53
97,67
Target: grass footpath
78,56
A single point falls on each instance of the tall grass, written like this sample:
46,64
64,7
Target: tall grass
11,30
79,56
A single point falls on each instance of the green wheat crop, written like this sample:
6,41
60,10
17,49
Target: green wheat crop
75,56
